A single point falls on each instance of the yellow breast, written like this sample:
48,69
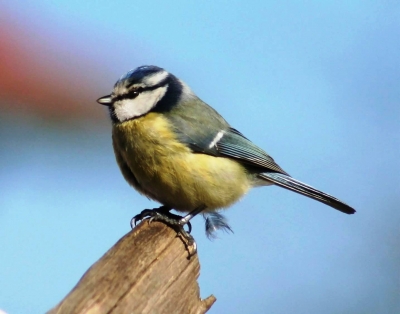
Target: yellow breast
169,172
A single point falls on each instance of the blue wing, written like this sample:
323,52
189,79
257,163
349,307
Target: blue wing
201,128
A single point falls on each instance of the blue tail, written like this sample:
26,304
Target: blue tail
289,183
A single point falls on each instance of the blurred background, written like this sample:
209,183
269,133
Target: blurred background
316,84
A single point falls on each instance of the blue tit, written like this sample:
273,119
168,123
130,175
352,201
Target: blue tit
175,149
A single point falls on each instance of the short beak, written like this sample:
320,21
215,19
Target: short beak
105,100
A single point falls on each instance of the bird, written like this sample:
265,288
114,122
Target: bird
177,150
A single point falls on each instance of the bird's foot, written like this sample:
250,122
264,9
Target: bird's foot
177,222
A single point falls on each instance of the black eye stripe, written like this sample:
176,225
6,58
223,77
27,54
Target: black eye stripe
135,92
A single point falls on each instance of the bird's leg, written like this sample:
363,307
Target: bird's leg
185,220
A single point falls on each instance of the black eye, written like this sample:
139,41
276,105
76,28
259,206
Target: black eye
134,93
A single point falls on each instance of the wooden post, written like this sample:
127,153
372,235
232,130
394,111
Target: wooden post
147,271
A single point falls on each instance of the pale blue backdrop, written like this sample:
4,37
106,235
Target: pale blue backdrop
316,84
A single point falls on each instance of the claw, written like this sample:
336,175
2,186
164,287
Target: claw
144,214
151,219
162,214
189,225
189,242
133,222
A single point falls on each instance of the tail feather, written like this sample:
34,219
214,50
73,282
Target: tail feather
294,185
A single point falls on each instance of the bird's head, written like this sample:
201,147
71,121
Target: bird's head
145,89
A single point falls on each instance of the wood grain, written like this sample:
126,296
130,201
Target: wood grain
147,271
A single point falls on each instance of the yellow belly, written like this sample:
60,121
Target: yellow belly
171,173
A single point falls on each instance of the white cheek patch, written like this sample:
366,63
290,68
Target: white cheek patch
131,108
157,78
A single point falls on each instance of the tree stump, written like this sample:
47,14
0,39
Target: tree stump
147,271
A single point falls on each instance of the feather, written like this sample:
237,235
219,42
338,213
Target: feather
294,185
214,222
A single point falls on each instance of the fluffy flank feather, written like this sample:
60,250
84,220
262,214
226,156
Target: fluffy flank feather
214,222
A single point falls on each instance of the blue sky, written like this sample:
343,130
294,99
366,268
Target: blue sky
313,83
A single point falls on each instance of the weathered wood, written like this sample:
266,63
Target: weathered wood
147,271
